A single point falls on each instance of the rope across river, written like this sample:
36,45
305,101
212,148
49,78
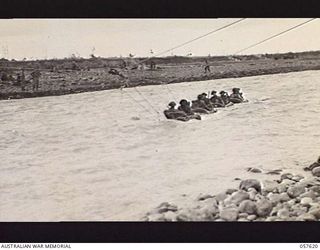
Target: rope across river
179,46
213,31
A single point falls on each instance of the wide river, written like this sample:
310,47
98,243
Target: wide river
111,155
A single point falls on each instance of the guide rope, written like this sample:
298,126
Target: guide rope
156,111
179,46
194,39
207,34
276,35
131,97
269,38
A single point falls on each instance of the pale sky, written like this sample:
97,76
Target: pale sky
59,38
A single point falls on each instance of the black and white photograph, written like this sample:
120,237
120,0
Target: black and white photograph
160,120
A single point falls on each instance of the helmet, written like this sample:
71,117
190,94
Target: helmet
172,104
235,89
183,101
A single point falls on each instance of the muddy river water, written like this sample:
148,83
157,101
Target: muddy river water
111,155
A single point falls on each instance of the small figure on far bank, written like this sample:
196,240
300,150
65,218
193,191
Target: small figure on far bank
18,82
123,64
75,66
116,72
4,77
152,65
35,75
23,80
207,67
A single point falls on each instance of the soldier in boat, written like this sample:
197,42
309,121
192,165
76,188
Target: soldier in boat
200,106
216,100
236,96
172,113
225,97
206,100
185,107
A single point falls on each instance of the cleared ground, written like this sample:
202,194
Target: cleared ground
62,79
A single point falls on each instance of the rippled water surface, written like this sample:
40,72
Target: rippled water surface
110,155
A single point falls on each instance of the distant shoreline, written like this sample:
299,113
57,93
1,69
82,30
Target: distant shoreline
64,81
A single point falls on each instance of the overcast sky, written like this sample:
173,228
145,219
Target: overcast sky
59,38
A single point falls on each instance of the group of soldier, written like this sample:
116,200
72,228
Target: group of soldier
203,105
21,80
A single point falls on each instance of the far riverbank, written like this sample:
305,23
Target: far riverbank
62,79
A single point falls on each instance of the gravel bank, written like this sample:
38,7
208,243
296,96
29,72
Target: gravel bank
288,198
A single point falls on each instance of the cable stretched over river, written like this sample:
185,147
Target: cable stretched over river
157,112
216,30
269,38
179,46
131,97
276,35
194,39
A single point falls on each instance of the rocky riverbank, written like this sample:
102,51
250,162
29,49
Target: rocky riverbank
288,198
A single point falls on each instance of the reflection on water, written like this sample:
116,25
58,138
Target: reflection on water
109,155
